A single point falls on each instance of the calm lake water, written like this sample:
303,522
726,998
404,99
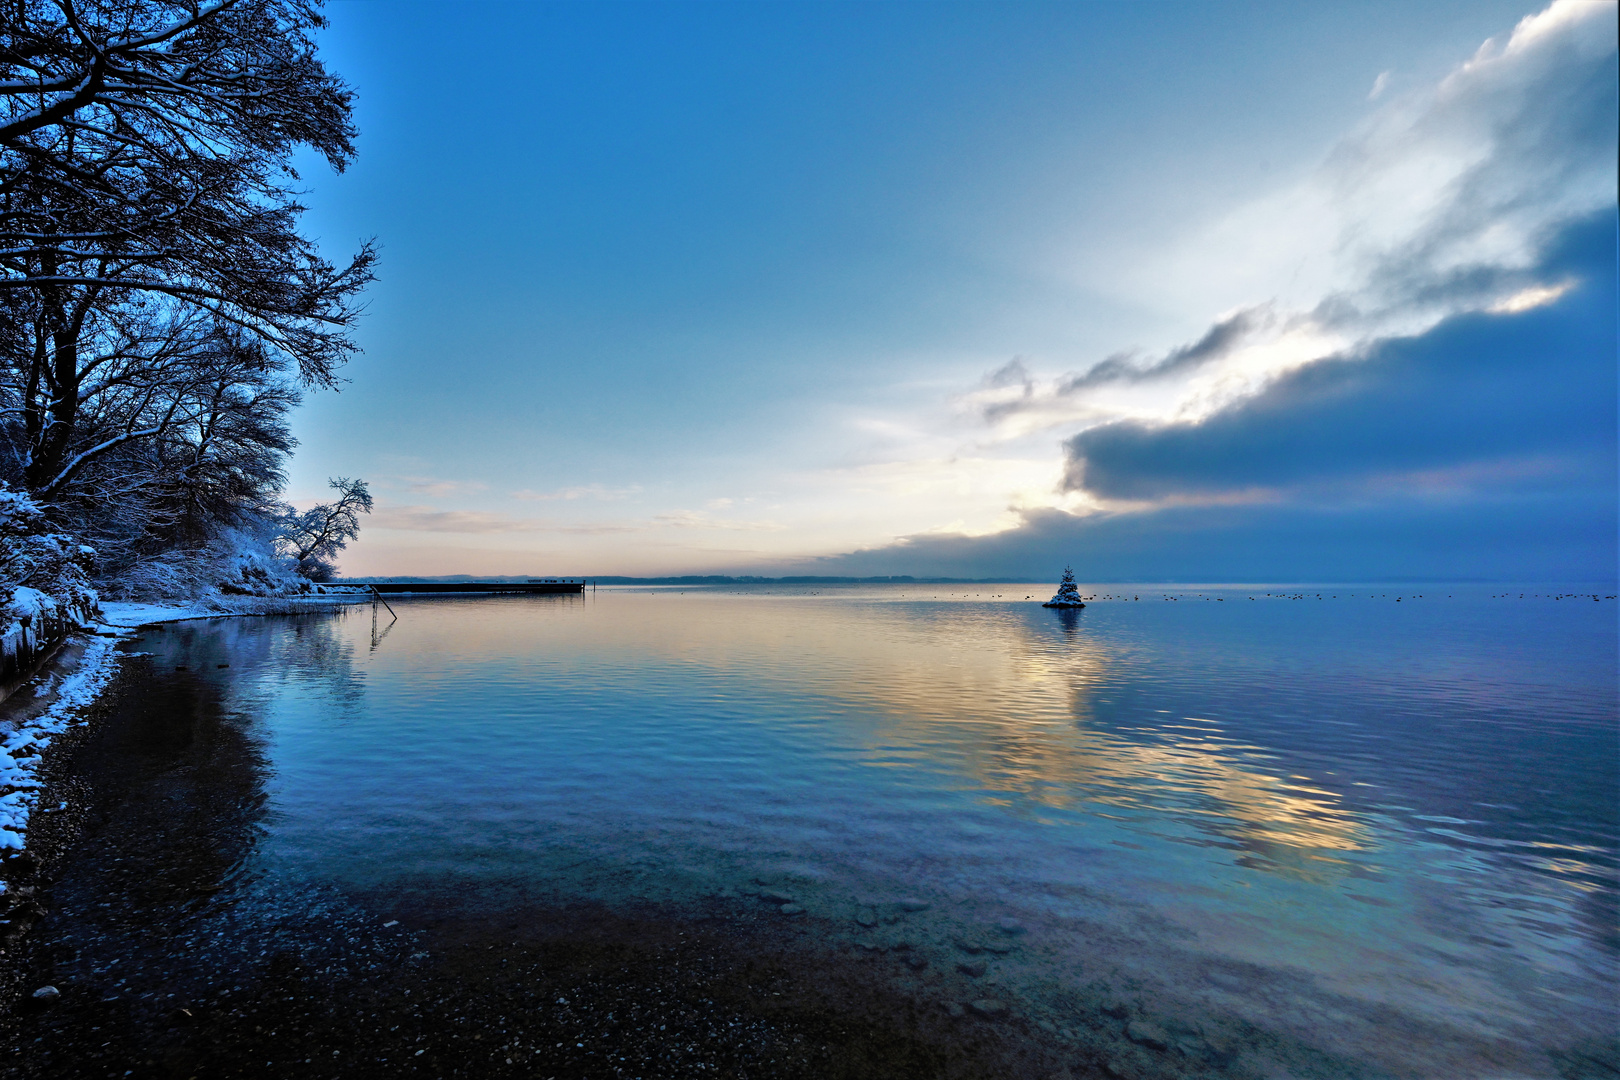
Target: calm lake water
1381,823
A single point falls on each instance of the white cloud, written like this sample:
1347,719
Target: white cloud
1533,297
433,520
475,522
597,492
693,519
1466,175
438,489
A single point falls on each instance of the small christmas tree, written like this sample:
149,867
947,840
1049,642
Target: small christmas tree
1068,595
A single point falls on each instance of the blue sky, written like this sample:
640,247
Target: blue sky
979,289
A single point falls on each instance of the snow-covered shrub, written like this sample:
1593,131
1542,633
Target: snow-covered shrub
250,566
44,583
235,563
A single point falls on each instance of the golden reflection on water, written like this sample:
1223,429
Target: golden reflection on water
1006,702
1281,826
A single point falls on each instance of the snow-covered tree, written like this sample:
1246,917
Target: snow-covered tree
1068,594
313,537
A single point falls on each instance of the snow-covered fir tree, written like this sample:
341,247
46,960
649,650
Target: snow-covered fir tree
1068,594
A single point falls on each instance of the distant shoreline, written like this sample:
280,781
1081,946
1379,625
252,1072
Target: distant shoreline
694,579
723,579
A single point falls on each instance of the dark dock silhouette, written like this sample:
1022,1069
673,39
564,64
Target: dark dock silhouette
533,586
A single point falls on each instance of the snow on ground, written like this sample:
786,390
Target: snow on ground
130,615
127,616
22,744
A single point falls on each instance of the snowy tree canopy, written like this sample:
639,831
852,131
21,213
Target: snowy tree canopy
145,150
160,311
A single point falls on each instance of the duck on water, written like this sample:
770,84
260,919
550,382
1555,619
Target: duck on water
1068,595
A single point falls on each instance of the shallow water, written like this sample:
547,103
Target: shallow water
1382,823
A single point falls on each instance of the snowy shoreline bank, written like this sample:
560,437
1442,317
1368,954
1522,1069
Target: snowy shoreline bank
26,738
130,616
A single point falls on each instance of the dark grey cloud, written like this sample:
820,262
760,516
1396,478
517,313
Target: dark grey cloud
1478,390
1123,367
1566,535
1012,373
